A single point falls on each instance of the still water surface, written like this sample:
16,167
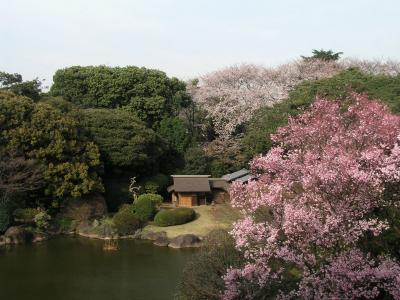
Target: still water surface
78,269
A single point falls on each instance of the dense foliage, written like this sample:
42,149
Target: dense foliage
326,55
155,184
42,133
15,84
177,216
107,87
126,122
123,140
138,117
324,186
196,161
175,132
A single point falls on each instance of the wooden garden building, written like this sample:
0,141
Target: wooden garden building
193,190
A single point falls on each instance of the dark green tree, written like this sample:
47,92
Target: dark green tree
108,87
42,133
123,139
149,109
175,133
15,84
323,55
8,79
196,161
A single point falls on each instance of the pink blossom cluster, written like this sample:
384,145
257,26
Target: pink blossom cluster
352,275
320,185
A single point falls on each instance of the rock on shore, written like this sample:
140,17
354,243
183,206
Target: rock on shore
185,241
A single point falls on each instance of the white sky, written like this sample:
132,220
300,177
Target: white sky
188,38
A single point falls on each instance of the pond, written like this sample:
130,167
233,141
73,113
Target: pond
79,269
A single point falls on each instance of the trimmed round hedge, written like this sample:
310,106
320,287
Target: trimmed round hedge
177,216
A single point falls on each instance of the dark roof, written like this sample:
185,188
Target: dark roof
190,183
219,183
236,175
245,178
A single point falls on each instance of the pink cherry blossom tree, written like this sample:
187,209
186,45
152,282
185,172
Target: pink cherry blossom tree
315,197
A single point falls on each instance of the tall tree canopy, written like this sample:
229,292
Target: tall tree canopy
108,87
123,139
15,84
326,55
43,133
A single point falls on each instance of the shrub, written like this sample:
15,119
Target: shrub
126,222
146,206
176,216
155,198
42,219
25,214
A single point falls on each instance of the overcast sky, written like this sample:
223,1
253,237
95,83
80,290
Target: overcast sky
186,38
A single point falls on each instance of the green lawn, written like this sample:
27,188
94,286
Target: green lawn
220,216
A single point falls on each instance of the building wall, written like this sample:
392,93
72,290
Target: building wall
220,196
174,199
187,199
195,199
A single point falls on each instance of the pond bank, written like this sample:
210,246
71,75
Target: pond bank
180,236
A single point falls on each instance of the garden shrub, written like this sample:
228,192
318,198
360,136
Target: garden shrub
42,220
126,222
176,216
25,214
146,206
156,199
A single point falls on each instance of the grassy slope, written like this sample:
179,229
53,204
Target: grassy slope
220,216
